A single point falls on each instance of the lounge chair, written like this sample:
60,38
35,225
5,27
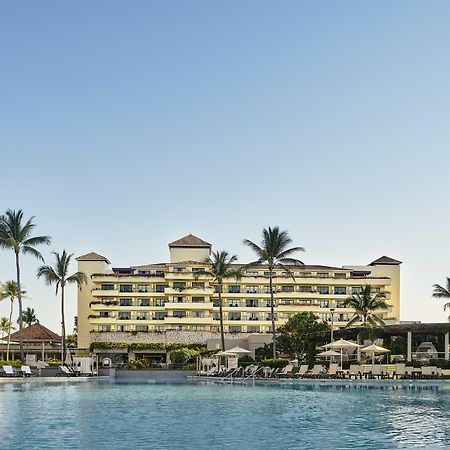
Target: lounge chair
316,371
66,372
409,371
286,371
333,371
378,371
400,371
9,371
429,372
355,371
302,371
26,371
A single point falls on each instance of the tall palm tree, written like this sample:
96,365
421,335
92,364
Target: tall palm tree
274,252
365,303
16,235
10,290
58,275
441,292
29,317
220,269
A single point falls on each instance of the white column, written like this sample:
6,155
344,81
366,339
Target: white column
446,343
408,346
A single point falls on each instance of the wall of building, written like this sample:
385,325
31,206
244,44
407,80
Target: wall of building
180,254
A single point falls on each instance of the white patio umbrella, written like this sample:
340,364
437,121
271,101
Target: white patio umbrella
225,353
68,360
342,344
374,349
239,351
328,353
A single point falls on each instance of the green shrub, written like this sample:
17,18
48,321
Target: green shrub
184,355
442,363
16,363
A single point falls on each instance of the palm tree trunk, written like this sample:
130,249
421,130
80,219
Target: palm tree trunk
19,298
9,330
222,333
272,312
63,326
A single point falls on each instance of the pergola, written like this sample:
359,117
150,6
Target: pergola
405,329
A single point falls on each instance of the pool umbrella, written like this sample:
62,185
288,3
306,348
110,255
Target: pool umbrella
374,349
239,351
341,344
225,353
328,353
68,360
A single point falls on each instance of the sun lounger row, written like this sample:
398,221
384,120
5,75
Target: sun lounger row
9,371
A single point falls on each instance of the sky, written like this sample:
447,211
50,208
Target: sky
127,125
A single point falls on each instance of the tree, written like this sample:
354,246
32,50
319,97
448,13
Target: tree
29,317
16,236
10,290
301,334
273,251
441,292
6,326
220,268
58,275
365,303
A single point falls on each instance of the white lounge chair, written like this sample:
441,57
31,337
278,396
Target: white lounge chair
355,371
26,371
400,370
302,371
316,371
287,370
333,371
9,371
378,371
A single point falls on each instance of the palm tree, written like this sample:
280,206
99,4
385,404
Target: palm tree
6,326
220,269
365,304
273,251
29,317
17,236
441,292
10,290
58,275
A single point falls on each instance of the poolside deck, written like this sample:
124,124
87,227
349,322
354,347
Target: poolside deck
7,380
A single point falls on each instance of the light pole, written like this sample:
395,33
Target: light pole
332,322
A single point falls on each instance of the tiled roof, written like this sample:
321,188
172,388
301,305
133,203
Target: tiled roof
386,261
190,241
36,332
92,256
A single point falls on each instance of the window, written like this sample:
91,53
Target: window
267,289
251,289
179,299
141,316
252,316
357,290
123,328
179,314
160,302
269,316
251,303
286,302
268,303
197,269
179,269
252,274
233,303
305,288
103,328
252,329
323,274
216,316
144,302
234,289
124,315
267,274
159,288
216,302
198,299
197,328
142,328
126,288
180,285
234,329
340,290
287,288
159,315
198,285
376,290
126,302
340,275
160,328
305,274
143,288
324,303
234,316
198,314
107,287
104,314
323,289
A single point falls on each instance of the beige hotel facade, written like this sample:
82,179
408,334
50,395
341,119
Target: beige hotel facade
167,302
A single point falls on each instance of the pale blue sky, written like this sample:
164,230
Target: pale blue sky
126,125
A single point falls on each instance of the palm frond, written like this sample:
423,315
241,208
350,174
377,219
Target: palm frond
79,278
32,251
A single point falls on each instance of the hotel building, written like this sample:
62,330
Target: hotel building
148,303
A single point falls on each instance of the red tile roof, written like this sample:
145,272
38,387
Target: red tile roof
190,241
36,332
385,260
92,256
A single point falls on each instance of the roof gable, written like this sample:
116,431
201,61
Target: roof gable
385,260
35,332
190,241
92,256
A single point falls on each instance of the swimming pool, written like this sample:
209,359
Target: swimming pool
123,415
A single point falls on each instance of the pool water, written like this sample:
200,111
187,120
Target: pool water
119,415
